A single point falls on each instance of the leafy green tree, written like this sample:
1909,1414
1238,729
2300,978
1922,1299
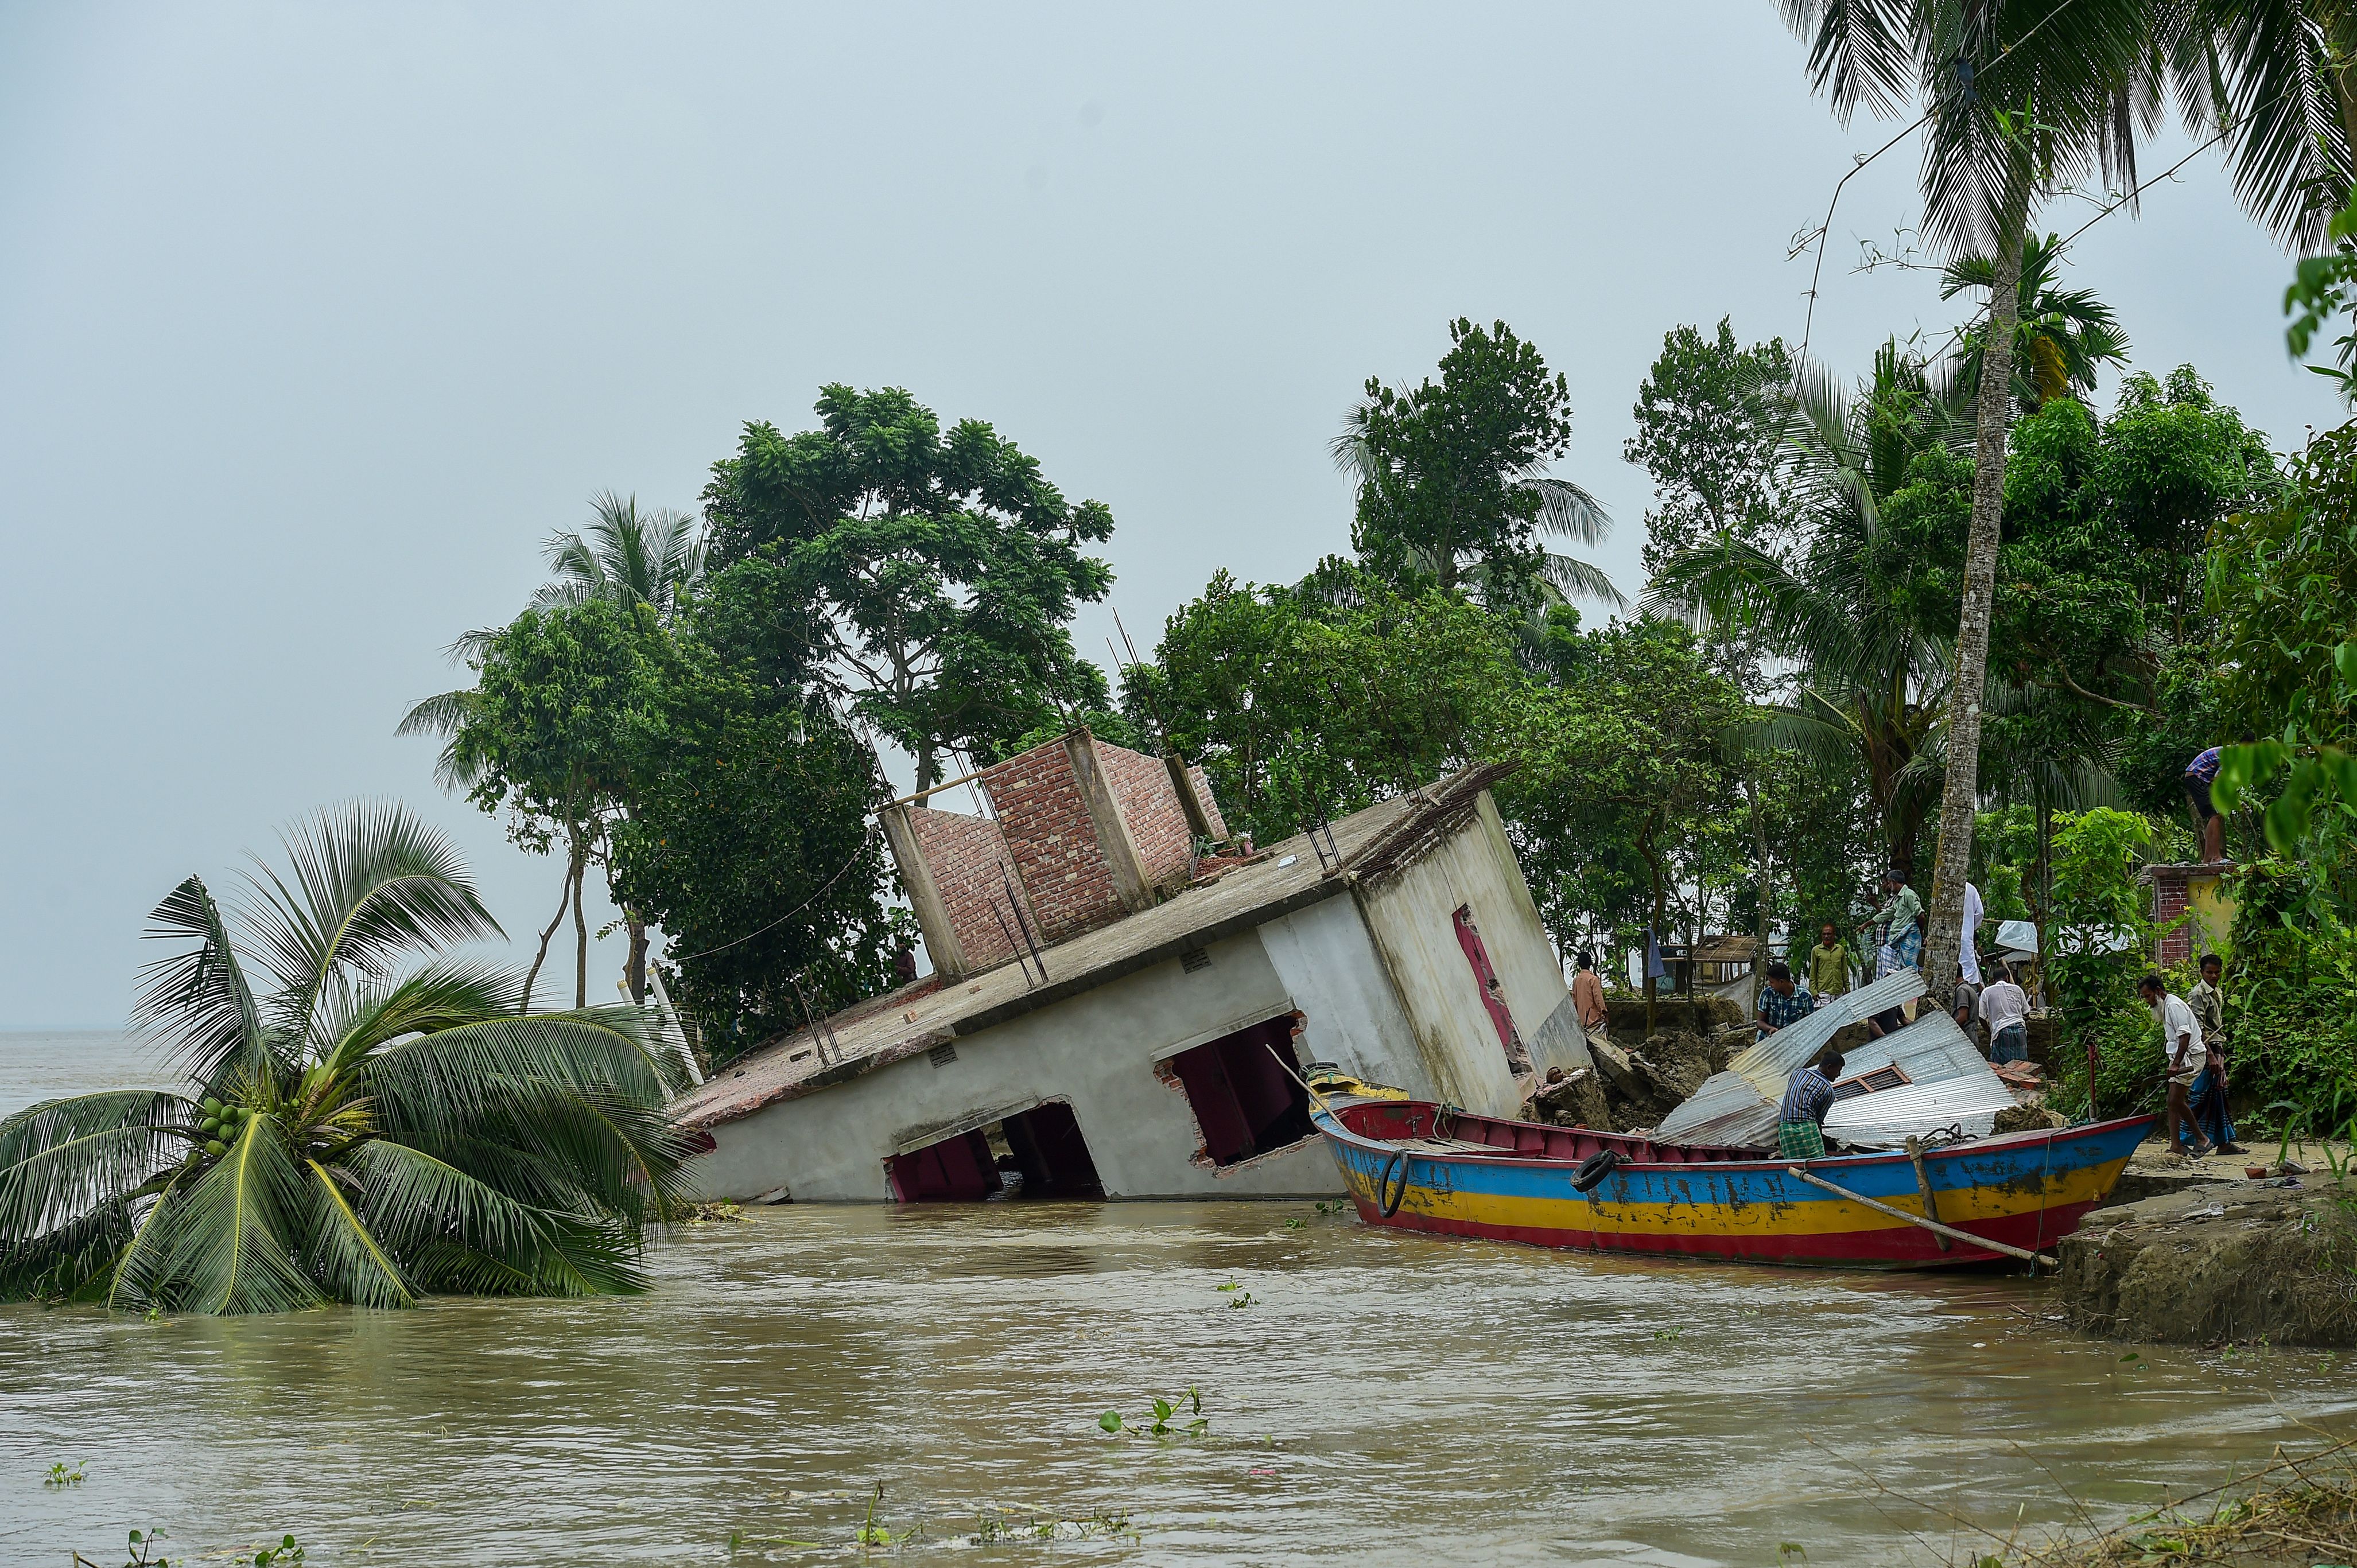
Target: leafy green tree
749,837
1623,754
1323,697
549,737
2281,581
1867,677
2063,337
354,1128
2024,96
1452,478
946,567
1710,430
2097,939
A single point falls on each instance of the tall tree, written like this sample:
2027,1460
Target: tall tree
1452,478
1324,696
947,567
549,736
749,836
1867,667
2018,94
1710,424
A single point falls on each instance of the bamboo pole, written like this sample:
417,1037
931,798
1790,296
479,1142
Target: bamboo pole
1933,1225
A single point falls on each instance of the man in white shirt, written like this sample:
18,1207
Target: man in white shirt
2004,1008
2180,1035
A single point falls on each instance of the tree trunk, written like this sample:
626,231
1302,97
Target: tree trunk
1944,938
580,930
1759,847
635,970
1654,931
563,897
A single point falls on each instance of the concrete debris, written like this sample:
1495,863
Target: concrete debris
1575,1099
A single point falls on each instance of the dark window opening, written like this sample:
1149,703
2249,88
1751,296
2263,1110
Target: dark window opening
1038,1152
1245,1092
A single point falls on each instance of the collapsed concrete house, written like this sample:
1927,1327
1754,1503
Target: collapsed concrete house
1110,1016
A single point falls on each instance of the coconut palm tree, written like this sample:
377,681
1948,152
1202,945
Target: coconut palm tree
1869,683
2022,98
624,557
2061,338
353,1128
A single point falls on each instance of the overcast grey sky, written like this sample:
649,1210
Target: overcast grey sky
315,320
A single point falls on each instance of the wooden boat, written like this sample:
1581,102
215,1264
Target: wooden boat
1413,1165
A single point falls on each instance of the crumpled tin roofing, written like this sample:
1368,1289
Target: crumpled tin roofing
1954,1086
1738,1106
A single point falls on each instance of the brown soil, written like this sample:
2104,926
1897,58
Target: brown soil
1671,1015
2218,1262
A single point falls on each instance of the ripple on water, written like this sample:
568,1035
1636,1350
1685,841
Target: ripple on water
1381,1397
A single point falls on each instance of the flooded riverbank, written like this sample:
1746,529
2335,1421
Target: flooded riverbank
1370,1397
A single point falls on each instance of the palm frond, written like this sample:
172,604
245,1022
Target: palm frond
1569,512
197,1003
445,995
69,1261
456,1230
63,1158
235,1237
435,1082
370,882
345,1258
1576,579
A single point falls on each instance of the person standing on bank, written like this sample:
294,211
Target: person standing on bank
2180,1035
1829,965
1898,925
2208,1095
1587,996
1800,1119
1781,1002
2199,775
2004,1008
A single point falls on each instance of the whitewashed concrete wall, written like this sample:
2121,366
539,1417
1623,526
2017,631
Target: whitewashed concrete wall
1096,1050
1329,965
1411,913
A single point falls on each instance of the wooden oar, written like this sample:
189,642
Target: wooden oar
2007,1248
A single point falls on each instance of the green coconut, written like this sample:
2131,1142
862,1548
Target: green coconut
216,1148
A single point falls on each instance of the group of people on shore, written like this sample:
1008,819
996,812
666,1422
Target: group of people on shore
1994,1014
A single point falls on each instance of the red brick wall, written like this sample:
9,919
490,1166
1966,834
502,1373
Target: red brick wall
969,858
1052,842
2169,891
1150,803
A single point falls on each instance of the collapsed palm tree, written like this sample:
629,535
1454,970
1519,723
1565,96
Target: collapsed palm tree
359,1131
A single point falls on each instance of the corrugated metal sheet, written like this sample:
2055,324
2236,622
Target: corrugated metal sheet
1889,1118
1953,1085
1726,1110
1738,1106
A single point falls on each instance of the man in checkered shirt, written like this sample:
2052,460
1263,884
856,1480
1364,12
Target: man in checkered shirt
1800,1119
1782,1001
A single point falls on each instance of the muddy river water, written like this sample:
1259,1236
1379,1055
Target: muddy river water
1370,1399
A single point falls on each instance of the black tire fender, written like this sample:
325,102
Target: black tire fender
1594,1170
1387,1202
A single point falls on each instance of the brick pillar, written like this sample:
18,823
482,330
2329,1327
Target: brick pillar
925,892
1127,869
1182,779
